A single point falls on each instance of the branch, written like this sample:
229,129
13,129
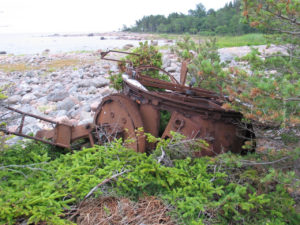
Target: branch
160,158
29,166
247,162
286,31
293,99
102,183
293,21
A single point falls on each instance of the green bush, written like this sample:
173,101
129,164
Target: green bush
148,55
203,191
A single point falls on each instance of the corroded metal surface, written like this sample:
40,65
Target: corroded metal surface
118,116
195,113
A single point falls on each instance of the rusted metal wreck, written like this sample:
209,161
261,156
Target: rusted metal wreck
194,112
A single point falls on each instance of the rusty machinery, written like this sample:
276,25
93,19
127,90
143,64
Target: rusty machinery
194,112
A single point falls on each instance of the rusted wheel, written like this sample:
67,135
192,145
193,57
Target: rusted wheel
118,116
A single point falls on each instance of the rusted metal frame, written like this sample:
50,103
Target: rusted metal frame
141,68
183,72
187,111
34,138
197,100
149,81
180,104
24,114
104,54
22,124
32,115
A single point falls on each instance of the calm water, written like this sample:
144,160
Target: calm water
35,43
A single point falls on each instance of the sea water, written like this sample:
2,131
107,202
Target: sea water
19,44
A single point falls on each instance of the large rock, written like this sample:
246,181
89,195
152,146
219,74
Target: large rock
14,99
106,91
28,98
171,69
128,46
57,95
94,105
66,104
100,82
166,61
97,82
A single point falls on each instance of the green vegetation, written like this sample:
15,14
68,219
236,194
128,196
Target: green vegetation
243,40
146,55
226,20
43,184
40,184
227,40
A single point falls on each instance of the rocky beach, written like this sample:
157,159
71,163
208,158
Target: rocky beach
69,86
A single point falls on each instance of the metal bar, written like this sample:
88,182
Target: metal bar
103,54
32,115
138,69
35,138
22,124
128,53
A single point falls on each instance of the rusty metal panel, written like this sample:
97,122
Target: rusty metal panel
183,72
151,119
62,135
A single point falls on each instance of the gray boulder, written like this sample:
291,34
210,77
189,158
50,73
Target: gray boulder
65,104
57,95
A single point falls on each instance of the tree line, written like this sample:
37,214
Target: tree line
227,20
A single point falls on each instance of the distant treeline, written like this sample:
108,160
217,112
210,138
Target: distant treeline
227,20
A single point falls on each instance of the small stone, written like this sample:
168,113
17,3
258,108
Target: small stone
31,128
28,97
65,104
94,106
106,91
30,74
85,83
14,99
171,69
100,82
128,46
154,42
56,96
46,51
86,121
85,116
63,119
61,113
86,108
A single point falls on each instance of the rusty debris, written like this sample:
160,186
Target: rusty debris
195,113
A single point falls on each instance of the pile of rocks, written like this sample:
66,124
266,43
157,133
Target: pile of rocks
69,93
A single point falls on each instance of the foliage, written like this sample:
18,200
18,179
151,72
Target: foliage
116,81
270,90
145,54
226,20
242,40
2,95
267,94
275,15
206,190
205,66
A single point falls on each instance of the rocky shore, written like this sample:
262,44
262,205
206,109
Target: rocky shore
69,86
